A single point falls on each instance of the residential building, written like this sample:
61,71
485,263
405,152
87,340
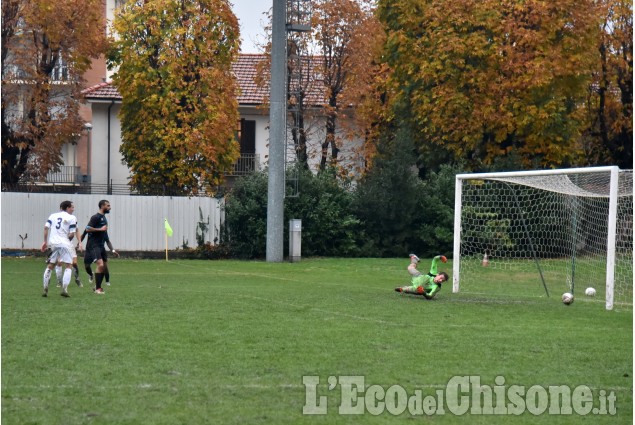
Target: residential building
105,166
94,158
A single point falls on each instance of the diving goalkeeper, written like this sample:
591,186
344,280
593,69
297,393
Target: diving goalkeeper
424,284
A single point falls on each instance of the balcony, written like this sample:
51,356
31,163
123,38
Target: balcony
66,174
246,164
68,179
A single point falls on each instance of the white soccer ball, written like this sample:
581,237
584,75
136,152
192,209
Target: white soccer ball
567,298
590,292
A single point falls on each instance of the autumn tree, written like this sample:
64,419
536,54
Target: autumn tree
335,24
46,48
367,88
609,139
485,79
301,86
179,111
319,66
300,72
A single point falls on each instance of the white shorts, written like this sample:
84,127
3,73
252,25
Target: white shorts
61,253
73,252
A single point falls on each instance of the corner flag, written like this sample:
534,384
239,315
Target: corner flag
168,229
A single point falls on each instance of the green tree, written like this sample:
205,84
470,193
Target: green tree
482,79
179,110
245,227
435,215
388,197
46,48
328,226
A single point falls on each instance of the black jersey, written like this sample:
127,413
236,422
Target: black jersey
97,239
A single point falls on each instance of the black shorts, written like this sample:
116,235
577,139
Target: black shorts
94,254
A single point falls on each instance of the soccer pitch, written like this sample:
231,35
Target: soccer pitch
248,342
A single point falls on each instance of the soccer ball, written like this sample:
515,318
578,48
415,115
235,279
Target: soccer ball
590,292
567,298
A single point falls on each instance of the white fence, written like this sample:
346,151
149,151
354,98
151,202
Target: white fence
135,223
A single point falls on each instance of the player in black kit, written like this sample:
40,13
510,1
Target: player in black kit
97,229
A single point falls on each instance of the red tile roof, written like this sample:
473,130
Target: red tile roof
245,70
104,91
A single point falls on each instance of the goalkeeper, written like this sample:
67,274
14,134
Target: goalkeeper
424,284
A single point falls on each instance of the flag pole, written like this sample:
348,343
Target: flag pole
168,233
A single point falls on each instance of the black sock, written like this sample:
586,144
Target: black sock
107,276
88,270
76,271
99,277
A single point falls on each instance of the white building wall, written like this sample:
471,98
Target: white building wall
262,130
349,154
136,223
100,144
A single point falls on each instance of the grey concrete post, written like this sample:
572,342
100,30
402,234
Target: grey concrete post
295,240
277,128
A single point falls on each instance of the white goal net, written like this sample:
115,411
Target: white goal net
552,231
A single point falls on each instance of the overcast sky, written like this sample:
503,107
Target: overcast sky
252,22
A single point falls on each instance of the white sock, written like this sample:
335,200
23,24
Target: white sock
67,278
58,273
47,277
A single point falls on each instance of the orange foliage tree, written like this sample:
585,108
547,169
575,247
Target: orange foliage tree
335,24
367,87
180,110
320,77
486,79
46,48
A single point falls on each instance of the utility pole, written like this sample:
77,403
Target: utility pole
277,135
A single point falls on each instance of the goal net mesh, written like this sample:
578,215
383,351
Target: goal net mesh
515,229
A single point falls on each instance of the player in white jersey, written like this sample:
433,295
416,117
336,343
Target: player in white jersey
57,231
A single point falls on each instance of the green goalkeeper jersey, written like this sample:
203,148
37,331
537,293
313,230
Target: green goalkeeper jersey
427,280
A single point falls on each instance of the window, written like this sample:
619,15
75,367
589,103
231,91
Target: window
247,136
60,72
247,139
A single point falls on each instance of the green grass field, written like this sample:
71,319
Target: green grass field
228,342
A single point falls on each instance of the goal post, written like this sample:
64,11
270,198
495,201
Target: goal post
572,228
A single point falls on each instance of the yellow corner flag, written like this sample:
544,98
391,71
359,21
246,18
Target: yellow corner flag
168,229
